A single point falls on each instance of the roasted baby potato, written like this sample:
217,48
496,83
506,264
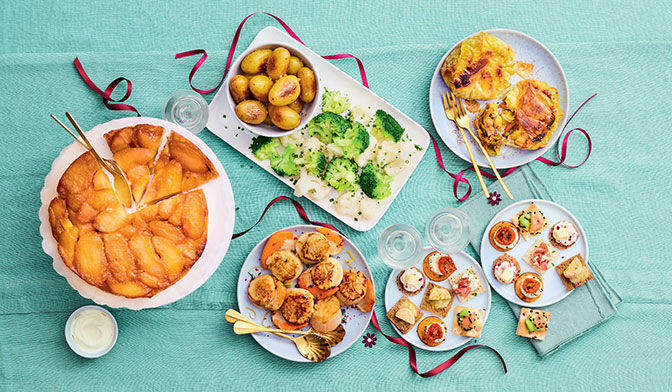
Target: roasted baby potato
239,88
283,117
260,85
296,106
255,62
295,64
285,91
308,84
251,111
278,63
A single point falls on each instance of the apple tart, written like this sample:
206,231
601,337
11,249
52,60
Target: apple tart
133,253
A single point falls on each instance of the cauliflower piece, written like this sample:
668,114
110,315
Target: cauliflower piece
392,157
311,186
361,114
369,208
333,151
312,143
348,204
295,138
368,154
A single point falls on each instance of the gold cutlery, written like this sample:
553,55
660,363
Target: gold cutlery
463,121
311,346
452,116
121,183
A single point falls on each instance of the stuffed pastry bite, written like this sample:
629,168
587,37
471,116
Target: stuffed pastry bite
410,281
468,321
467,284
438,266
503,236
530,221
313,247
266,292
533,323
563,234
432,331
541,257
490,126
404,315
506,269
574,272
437,300
479,67
529,287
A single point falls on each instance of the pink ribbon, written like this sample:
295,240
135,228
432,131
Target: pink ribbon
108,91
232,49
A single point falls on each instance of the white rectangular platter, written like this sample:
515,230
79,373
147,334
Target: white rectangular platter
223,123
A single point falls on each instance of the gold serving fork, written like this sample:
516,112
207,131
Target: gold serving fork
463,121
121,183
451,113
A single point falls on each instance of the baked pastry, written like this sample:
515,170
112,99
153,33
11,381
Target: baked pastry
532,111
181,167
541,257
432,331
438,266
468,321
506,269
574,272
437,300
266,292
533,323
479,67
404,315
563,234
504,236
410,281
529,287
467,284
490,126
530,221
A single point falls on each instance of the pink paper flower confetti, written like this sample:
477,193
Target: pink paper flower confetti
369,340
494,198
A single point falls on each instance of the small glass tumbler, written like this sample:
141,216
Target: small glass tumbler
188,109
449,230
400,246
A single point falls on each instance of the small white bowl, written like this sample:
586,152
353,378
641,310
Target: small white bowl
309,109
73,345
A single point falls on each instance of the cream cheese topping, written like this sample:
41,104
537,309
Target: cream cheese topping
565,233
434,263
505,271
412,280
92,330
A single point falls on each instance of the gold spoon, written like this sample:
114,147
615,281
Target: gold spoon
312,347
333,337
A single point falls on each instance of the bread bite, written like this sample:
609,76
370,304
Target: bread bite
468,321
437,300
404,315
533,323
574,272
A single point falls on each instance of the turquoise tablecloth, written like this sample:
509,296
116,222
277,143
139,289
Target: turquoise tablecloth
621,50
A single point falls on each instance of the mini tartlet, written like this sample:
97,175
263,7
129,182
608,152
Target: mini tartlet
530,221
438,266
467,284
404,315
504,236
432,331
468,321
506,269
563,234
411,281
574,272
533,323
529,287
437,300
541,257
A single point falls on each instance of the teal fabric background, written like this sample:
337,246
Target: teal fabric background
621,50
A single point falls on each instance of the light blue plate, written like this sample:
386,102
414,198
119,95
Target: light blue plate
546,68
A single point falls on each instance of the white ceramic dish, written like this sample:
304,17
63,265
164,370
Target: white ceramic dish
309,109
221,216
554,289
546,68
356,321
462,261
75,347
223,123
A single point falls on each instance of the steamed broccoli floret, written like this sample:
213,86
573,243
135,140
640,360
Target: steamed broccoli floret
334,102
313,160
326,125
342,174
284,164
385,127
375,184
264,147
354,141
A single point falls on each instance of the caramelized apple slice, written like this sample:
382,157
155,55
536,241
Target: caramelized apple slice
119,258
148,261
63,230
194,214
110,220
86,213
131,289
166,230
170,256
90,259
167,207
190,158
167,181
78,176
101,199
101,181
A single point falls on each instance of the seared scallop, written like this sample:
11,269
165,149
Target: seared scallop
266,292
298,307
353,287
327,274
284,265
327,315
313,247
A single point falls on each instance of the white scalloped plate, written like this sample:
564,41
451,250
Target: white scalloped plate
221,216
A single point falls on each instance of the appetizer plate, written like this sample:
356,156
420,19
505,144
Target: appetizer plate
546,68
462,261
355,322
223,123
221,217
554,289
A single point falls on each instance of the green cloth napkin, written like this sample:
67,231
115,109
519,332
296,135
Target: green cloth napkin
586,307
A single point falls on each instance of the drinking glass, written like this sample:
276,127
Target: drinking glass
449,230
400,246
188,109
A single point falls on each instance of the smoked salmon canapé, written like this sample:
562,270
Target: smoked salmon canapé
533,323
541,257
504,236
529,287
530,221
467,284
438,266
432,331
468,321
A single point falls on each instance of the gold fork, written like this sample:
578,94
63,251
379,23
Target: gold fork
451,113
464,122
121,183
